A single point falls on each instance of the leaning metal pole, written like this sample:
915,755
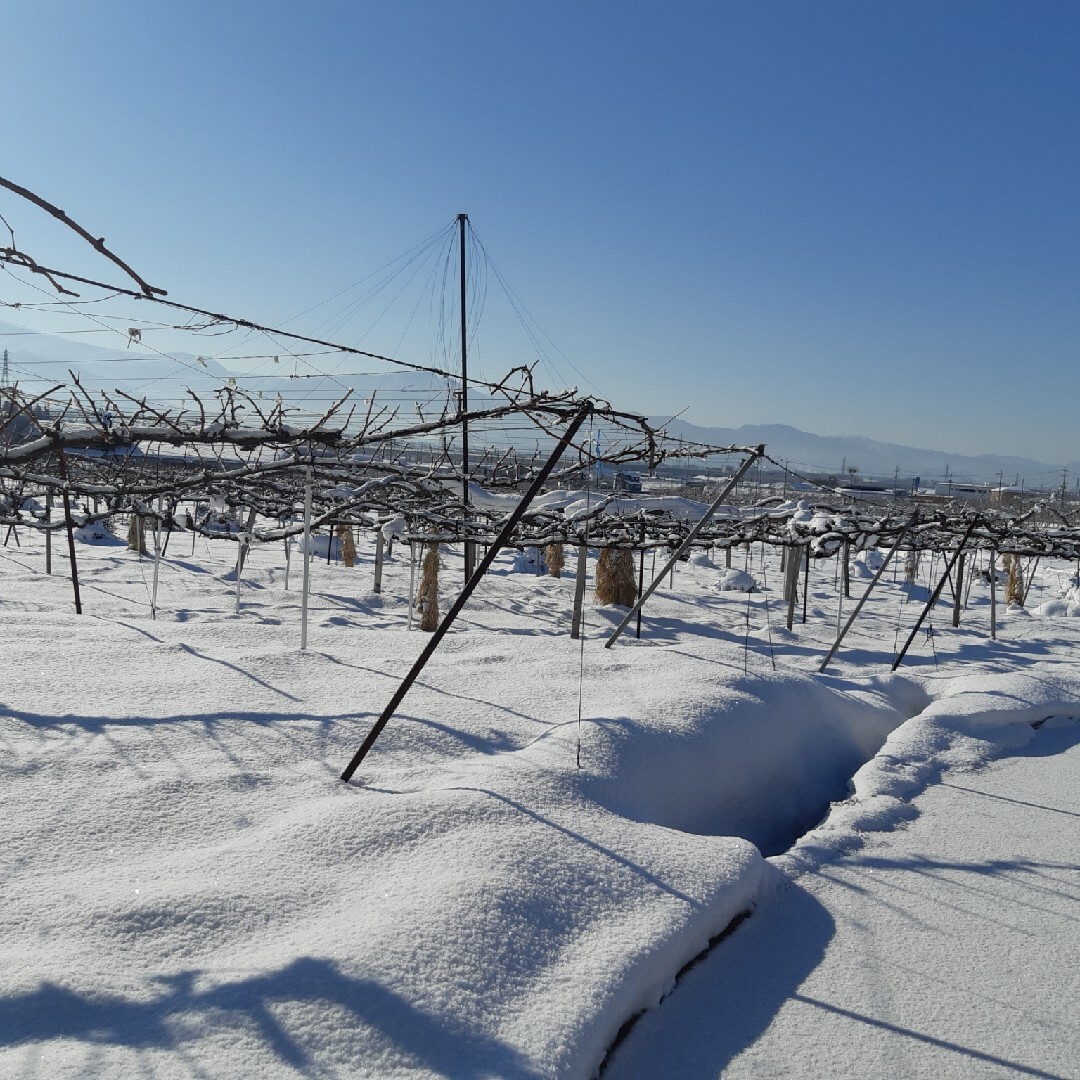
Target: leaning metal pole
504,535
684,546
869,589
937,593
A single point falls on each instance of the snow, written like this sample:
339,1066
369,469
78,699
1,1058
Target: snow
189,890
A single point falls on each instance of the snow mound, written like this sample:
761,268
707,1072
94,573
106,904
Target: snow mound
736,581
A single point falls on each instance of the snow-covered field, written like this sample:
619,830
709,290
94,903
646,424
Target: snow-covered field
545,834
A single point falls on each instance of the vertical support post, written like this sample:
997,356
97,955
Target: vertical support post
48,532
727,557
380,544
846,571
70,535
959,589
288,560
791,582
993,595
579,591
640,581
470,548
806,582
157,562
241,540
307,561
412,583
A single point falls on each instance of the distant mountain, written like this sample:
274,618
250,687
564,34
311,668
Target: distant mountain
832,453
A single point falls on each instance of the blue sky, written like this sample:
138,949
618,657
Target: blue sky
852,217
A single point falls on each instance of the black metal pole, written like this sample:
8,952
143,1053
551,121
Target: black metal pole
470,585
70,536
685,545
936,594
470,553
869,588
641,580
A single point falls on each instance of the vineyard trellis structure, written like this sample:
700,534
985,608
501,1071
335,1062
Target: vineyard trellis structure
265,471
124,454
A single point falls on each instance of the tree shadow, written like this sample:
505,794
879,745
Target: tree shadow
166,1022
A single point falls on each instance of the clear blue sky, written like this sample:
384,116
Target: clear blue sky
854,217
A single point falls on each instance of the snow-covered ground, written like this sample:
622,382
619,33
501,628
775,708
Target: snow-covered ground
545,834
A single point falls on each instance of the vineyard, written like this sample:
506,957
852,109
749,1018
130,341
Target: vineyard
612,723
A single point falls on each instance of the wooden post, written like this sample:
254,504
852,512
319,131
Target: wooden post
727,557
380,544
959,590
846,571
579,591
288,552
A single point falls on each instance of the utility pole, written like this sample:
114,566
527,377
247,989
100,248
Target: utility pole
463,220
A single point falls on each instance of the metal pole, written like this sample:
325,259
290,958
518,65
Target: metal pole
936,594
685,545
993,595
307,561
959,592
380,542
157,562
470,551
70,536
791,581
579,592
504,535
806,583
641,579
869,589
48,532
